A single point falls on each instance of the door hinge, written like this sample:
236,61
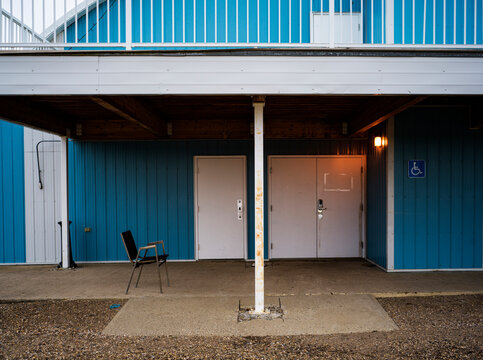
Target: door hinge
271,246
362,207
198,170
362,245
362,169
271,208
198,208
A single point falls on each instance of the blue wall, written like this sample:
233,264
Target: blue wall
404,9
377,199
294,21
147,187
92,24
222,25
12,194
438,219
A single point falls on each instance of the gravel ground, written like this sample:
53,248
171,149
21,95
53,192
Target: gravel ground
440,327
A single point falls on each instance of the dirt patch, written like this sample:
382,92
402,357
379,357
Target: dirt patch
440,327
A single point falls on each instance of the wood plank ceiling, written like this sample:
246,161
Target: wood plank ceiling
211,117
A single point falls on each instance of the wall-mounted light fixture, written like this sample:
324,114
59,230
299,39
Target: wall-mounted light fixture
378,141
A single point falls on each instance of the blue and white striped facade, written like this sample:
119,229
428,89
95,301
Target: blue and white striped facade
434,223
148,187
204,22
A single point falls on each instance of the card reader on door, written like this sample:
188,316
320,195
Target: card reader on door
239,206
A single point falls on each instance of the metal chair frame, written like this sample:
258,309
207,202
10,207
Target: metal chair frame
141,261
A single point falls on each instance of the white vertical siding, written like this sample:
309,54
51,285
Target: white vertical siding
42,210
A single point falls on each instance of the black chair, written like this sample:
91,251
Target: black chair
134,256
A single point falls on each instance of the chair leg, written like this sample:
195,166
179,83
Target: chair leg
139,275
160,286
159,272
132,273
166,268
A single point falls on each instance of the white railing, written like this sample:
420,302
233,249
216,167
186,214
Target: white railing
15,31
141,24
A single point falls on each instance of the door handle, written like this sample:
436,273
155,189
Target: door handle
320,209
320,206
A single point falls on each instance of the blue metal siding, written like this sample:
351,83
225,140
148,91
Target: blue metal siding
147,187
403,12
12,194
377,199
92,24
438,219
219,28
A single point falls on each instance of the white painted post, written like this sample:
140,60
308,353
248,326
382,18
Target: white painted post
1,23
128,24
64,199
258,104
331,23
389,21
390,194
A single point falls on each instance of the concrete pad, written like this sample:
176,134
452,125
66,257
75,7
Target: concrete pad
229,278
217,316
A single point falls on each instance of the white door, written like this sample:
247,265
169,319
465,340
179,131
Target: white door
220,207
293,221
348,28
315,207
339,192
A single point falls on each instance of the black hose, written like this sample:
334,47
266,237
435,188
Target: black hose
41,186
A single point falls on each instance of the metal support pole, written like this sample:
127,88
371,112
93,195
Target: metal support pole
258,104
64,198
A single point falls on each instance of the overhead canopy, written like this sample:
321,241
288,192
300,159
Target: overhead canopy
214,117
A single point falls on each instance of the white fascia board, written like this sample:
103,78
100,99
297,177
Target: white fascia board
218,75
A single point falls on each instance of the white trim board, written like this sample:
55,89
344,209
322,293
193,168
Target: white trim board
376,264
390,194
238,75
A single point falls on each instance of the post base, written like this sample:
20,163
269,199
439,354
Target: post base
270,312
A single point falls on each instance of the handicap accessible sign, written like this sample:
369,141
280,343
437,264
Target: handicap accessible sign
416,169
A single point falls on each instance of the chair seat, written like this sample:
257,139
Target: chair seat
152,259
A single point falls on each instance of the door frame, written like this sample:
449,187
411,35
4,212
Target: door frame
195,199
363,216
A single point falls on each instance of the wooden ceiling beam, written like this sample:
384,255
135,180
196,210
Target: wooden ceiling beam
379,110
134,110
36,115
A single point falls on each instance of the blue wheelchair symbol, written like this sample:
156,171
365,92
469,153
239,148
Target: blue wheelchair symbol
416,169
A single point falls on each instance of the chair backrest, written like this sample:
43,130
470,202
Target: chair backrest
130,245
